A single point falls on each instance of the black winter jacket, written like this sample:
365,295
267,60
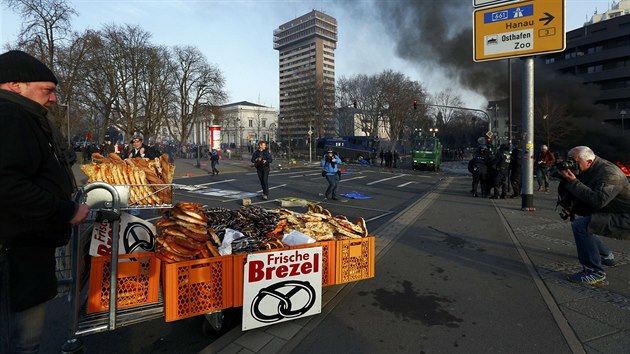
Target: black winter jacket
265,155
36,186
605,189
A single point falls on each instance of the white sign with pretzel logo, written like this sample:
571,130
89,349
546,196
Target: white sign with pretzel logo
136,236
281,286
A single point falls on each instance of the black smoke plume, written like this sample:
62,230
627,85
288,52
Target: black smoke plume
438,34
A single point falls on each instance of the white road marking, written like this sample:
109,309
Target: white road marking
385,179
274,187
379,216
405,184
350,179
209,183
258,192
310,174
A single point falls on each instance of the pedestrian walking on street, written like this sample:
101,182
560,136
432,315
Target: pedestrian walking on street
544,161
396,157
381,155
330,169
37,212
601,187
214,161
261,158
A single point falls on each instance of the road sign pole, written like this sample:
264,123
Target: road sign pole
527,178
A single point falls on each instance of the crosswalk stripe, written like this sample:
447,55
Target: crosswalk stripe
310,174
350,179
405,184
385,179
217,182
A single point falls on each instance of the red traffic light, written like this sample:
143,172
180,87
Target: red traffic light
354,103
415,104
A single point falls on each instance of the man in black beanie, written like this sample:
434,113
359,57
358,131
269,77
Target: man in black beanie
36,207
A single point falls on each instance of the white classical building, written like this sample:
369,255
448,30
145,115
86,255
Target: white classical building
244,123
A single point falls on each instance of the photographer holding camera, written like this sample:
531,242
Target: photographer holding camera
330,164
602,187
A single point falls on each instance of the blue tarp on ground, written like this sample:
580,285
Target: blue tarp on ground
355,195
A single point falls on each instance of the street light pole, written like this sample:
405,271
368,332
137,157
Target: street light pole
622,113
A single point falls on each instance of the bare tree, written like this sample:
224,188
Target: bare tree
399,92
196,82
443,115
370,102
45,22
551,122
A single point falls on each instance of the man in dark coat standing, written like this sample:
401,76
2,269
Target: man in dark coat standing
261,158
36,208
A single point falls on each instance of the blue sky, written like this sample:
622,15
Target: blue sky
237,36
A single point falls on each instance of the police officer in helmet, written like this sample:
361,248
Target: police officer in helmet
501,164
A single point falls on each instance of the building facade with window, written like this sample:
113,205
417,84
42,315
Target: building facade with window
306,48
599,53
245,123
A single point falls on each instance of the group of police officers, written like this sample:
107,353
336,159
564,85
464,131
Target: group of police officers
492,172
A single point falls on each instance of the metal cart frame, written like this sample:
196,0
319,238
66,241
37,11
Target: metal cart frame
80,322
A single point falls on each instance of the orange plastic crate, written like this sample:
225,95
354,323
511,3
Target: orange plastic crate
328,259
138,281
197,287
355,259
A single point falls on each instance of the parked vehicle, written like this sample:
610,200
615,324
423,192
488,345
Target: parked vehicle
426,153
350,148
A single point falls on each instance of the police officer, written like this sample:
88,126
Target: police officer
478,166
501,164
515,172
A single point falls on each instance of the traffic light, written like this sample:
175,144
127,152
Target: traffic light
489,142
354,103
415,104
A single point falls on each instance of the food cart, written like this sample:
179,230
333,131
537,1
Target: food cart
126,289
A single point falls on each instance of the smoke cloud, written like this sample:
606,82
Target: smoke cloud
438,34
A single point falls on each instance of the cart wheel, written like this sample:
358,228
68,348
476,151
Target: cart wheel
213,324
72,346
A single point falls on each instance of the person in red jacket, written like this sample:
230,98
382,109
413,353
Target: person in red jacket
544,161
36,206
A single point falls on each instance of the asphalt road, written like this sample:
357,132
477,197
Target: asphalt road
391,192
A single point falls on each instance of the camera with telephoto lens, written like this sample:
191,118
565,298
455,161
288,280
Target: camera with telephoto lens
328,157
567,165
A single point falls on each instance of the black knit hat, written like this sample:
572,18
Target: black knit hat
17,66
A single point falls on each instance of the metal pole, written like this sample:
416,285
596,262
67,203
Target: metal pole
68,120
510,102
310,143
527,179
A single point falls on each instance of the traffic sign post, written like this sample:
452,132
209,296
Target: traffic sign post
519,29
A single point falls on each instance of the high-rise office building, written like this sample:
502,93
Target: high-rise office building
599,53
307,77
